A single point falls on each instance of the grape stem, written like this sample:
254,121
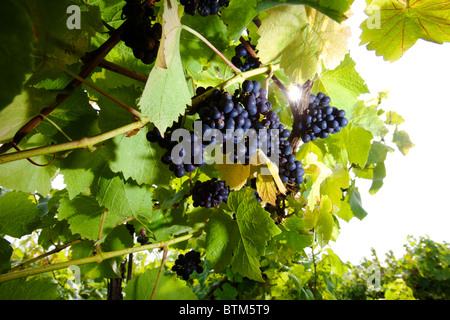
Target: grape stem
163,260
100,257
82,80
209,44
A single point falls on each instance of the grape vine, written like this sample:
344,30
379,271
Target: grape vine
200,156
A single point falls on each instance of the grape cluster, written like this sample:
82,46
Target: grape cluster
187,160
320,119
249,109
187,263
143,238
277,211
243,60
203,7
209,193
141,35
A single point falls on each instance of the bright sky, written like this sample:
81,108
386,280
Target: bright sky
413,198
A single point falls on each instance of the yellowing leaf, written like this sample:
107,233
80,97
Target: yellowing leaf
319,172
394,26
309,41
266,188
234,175
273,170
403,142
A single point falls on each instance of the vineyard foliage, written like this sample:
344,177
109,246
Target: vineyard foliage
80,98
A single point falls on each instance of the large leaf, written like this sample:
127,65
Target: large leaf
124,199
56,41
220,242
35,289
19,216
16,46
169,287
85,216
80,169
166,94
307,43
393,27
254,229
342,84
238,15
138,159
367,117
352,145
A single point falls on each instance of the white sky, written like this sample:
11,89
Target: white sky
413,198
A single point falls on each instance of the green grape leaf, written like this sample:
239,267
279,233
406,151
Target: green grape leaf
16,47
367,117
124,199
80,169
309,42
332,185
292,240
5,255
352,205
378,152
393,27
325,222
192,49
169,287
352,144
238,15
84,215
19,216
318,171
21,175
342,84
226,292
403,142
254,229
138,159
166,94
220,242
379,173
55,38
35,289
393,118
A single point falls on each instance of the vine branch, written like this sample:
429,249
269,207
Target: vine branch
75,144
163,260
100,257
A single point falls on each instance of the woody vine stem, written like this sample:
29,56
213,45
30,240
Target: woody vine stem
98,258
